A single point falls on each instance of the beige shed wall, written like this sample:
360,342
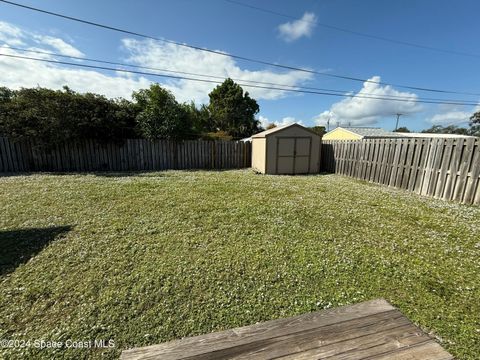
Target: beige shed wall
258,154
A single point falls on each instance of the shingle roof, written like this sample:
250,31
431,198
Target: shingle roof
372,132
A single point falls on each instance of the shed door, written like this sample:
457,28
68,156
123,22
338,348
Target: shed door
293,155
302,155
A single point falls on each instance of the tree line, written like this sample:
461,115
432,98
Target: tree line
59,116
472,130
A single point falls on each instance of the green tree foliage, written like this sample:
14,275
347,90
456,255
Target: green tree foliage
233,111
160,115
475,124
53,117
451,129
402,129
320,130
199,118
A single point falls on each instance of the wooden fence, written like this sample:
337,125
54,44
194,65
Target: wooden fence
133,154
447,169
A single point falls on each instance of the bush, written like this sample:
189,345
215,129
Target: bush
54,117
160,115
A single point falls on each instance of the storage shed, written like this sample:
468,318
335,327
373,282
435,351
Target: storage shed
289,149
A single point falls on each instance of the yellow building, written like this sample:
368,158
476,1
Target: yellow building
358,133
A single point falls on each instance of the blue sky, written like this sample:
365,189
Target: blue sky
220,25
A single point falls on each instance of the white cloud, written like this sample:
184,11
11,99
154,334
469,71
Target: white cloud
294,30
284,121
10,34
173,57
14,36
366,111
59,45
451,115
24,73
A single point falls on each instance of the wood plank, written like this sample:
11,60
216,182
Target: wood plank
202,344
321,341
408,163
368,330
425,351
442,176
440,145
395,162
474,174
3,157
430,158
401,163
421,166
8,152
384,160
416,149
465,163
453,168
365,148
375,164
385,340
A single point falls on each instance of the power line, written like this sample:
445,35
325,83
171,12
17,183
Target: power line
353,32
241,84
239,57
218,77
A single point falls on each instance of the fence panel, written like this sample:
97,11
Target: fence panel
131,155
447,169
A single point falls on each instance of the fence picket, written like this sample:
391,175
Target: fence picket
443,168
131,155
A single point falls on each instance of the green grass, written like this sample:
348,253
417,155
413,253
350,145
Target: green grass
147,258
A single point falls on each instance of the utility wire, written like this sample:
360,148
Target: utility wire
239,57
358,33
241,84
215,77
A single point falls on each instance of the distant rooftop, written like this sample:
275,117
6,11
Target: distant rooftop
435,135
375,132
371,131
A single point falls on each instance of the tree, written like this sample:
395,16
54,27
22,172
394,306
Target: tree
451,129
54,117
160,115
199,118
475,124
233,111
5,94
320,130
402,129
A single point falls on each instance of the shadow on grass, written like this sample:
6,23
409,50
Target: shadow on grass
127,173
18,246
115,173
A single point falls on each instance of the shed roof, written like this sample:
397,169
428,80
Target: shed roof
281,128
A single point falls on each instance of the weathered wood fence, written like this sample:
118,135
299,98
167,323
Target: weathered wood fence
133,154
447,169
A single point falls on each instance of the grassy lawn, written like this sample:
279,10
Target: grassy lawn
146,258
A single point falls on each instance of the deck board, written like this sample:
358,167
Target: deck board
369,330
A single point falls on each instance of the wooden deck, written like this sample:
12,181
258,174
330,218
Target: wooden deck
369,330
